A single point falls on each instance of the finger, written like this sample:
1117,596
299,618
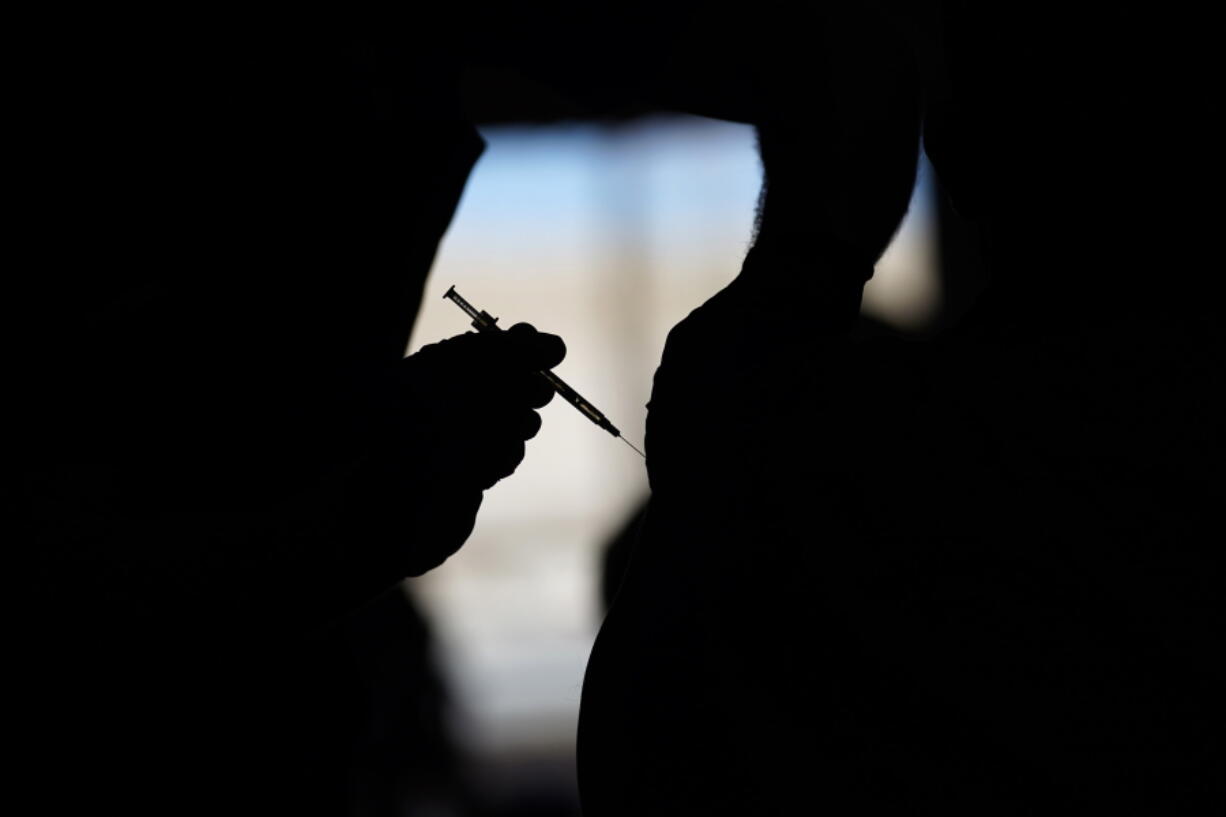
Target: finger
536,350
537,392
529,425
503,460
510,425
510,391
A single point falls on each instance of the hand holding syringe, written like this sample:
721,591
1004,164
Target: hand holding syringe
484,322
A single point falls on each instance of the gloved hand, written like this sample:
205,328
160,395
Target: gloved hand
452,420
468,402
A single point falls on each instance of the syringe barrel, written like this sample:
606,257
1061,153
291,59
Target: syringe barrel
484,322
580,402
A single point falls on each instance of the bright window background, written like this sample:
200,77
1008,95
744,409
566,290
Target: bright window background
607,237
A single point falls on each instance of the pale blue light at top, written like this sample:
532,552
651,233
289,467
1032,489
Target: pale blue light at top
536,176
558,173
682,177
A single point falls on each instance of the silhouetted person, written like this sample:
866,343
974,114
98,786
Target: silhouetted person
228,223
961,577
365,717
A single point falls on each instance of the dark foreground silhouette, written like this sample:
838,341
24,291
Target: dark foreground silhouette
973,575
220,449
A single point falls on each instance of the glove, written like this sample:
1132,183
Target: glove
449,422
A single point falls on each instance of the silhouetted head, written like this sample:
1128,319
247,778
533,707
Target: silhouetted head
834,92
840,138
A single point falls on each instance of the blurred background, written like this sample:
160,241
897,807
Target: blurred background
606,233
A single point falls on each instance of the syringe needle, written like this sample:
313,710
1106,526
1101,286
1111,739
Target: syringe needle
627,442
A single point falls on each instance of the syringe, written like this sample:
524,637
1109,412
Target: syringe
484,322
